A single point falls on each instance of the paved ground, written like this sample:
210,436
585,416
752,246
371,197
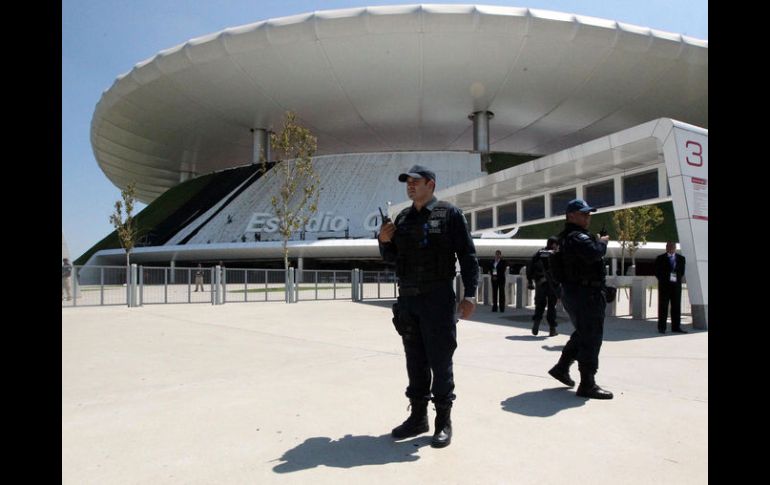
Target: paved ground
308,393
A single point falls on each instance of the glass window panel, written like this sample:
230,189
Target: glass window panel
484,219
506,214
640,187
533,208
601,194
559,201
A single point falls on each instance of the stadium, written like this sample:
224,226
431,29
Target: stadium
516,110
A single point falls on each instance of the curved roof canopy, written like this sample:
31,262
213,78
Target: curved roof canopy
393,78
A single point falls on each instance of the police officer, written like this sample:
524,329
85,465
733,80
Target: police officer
583,298
422,242
546,289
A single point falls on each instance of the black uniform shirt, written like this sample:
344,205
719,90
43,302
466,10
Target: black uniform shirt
460,242
588,250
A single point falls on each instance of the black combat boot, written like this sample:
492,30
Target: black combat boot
443,434
560,371
589,389
553,332
535,327
416,423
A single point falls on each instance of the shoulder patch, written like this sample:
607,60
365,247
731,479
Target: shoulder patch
584,237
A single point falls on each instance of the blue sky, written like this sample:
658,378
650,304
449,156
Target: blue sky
102,39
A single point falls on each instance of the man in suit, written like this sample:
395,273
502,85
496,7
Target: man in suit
669,269
497,270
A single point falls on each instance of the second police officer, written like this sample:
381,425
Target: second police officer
582,274
423,242
546,289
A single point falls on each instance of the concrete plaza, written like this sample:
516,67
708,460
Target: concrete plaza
308,393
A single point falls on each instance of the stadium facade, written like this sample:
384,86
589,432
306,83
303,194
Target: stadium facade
517,110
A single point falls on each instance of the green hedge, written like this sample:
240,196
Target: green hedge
501,160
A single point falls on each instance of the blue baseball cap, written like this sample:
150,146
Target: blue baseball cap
579,205
417,172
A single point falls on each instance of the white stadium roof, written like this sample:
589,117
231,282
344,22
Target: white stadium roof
394,78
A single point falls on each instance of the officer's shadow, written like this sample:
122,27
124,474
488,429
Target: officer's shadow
349,451
543,403
533,338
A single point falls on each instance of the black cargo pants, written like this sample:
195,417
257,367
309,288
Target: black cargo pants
429,342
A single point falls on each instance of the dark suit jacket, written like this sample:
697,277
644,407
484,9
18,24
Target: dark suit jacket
502,269
663,268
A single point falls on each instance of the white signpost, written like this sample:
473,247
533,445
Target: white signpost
685,150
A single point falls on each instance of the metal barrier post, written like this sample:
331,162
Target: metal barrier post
245,284
217,285
141,285
295,285
133,291
638,294
265,285
74,286
288,287
101,286
189,278
223,285
212,286
520,292
165,285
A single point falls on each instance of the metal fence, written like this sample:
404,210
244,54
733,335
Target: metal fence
96,285
323,285
148,285
378,284
112,285
248,285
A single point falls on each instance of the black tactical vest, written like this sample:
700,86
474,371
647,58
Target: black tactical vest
424,251
575,269
542,264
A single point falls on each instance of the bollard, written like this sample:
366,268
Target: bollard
521,291
612,308
638,298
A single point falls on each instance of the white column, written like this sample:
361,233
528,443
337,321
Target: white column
685,153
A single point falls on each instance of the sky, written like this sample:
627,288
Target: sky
103,39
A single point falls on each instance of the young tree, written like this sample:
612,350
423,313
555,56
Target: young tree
126,229
633,226
297,181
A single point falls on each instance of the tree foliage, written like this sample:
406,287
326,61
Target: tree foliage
298,183
633,226
126,227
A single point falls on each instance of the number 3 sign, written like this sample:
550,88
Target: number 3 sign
694,153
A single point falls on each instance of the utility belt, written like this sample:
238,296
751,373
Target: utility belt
591,283
408,289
